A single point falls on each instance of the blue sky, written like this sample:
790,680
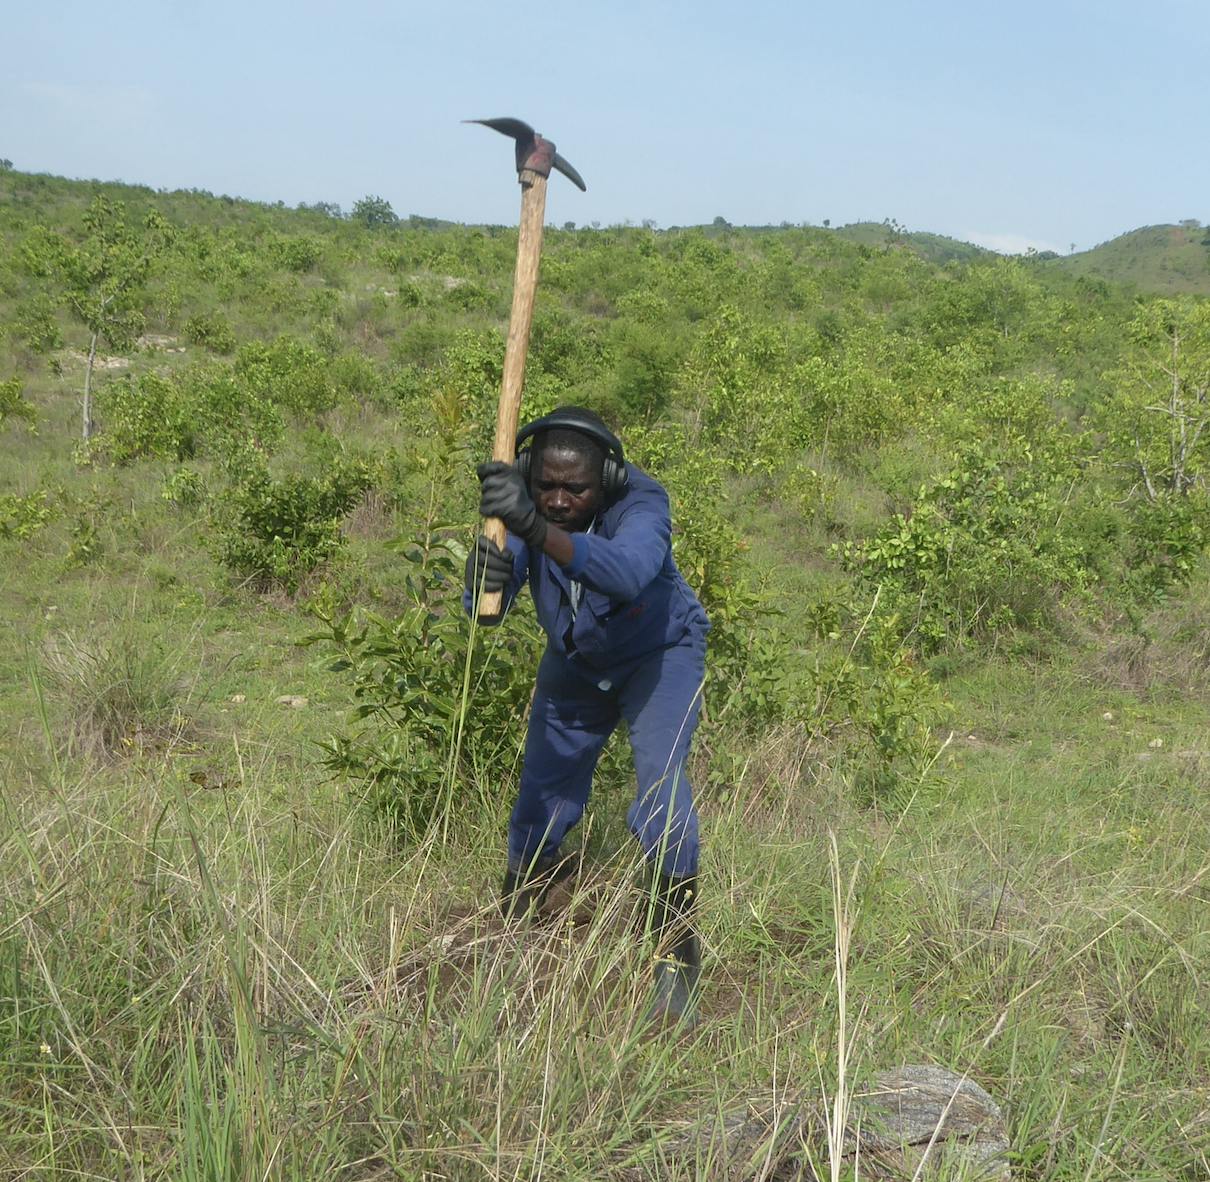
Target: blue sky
1007,124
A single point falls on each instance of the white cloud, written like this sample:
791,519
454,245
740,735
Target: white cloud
1010,243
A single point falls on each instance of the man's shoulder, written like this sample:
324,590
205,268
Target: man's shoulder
640,486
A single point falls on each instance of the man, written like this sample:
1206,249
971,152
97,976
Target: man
626,638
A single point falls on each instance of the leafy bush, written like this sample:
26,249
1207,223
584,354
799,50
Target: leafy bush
227,420
866,694
374,212
1158,420
406,746
984,550
36,324
299,253
203,411
145,416
709,553
273,532
1164,543
184,487
287,373
13,406
22,517
210,330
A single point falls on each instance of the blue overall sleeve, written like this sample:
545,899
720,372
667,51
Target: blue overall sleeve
520,553
621,566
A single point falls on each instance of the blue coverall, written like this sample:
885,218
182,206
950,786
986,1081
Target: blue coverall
634,648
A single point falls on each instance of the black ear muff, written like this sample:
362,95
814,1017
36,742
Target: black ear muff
614,478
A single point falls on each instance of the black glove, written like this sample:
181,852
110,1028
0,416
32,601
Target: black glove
488,568
505,496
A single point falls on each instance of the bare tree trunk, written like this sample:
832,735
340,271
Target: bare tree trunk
92,355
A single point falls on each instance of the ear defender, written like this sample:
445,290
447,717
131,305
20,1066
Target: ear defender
614,478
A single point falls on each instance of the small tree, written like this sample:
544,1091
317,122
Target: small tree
1161,415
101,278
374,212
13,406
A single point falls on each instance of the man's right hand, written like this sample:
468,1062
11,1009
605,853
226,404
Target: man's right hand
488,568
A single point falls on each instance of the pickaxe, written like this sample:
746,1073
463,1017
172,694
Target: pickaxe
535,158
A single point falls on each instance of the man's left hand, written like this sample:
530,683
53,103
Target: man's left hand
505,496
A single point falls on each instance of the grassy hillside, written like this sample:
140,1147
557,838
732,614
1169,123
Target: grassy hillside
956,716
936,248
1155,259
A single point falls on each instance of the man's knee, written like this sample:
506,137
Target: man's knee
664,821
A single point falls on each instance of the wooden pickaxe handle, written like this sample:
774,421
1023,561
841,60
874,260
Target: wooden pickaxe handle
525,286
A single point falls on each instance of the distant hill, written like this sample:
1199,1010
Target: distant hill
1158,260
937,248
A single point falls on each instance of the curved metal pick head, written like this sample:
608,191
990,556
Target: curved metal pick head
570,173
533,150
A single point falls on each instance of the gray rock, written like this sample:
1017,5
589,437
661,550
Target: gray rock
911,1115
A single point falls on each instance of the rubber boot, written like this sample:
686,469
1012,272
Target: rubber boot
678,967
524,890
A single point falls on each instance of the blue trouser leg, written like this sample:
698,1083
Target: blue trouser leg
572,717
661,702
568,725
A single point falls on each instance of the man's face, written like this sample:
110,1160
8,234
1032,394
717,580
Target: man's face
566,489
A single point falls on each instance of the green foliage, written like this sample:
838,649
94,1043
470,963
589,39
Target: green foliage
407,678
184,487
709,552
735,368
984,551
143,417
23,516
288,373
204,410
210,330
1165,540
273,532
868,695
1158,421
101,277
13,407
298,254
36,324
374,212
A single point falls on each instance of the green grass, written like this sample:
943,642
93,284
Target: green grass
215,966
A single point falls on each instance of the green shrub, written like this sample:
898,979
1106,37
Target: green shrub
229,421
184,487
1165,541
405,748
287,373
468,296
210,330
273,532
145,416
298,254
709,553
22,517
13,406
985,550
36,324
